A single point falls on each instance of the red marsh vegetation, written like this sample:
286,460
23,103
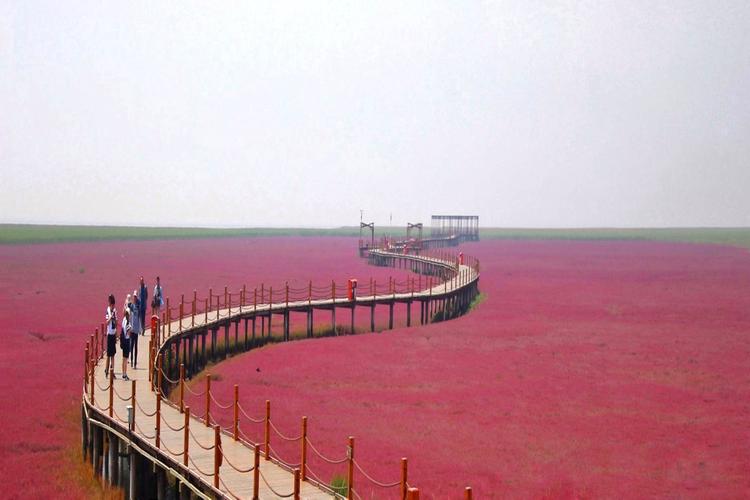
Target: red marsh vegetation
590,369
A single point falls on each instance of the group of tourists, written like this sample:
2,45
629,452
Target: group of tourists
133,325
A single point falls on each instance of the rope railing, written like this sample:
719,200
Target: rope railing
233,494
128,398
273,490
282,436
253,420
142,432
190,458
171,452
202,393
275,455
207,448
323,457
374,481
174,429
218,404
197,312
241,471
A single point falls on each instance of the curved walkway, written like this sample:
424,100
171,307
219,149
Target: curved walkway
205,459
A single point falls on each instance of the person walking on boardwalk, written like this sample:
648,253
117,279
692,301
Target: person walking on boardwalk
136,327
111,318
158,298
125,341
143,299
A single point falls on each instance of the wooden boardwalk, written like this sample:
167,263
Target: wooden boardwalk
165,433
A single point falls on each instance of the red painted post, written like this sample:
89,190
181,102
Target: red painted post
217,454
350,471
236,426
186,438
158,419
412,494
404,477
169,319
159,365
296,484
468,494
86,361
267,438
132,399
208,400
256,471
111,391
182,309
182,387
92,383
303,462
333,291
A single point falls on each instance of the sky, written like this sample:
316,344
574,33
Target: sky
528,114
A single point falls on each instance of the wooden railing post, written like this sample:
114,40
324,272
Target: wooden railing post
208,400
255,300
92,383
333,291
296,484
230,303
309,293
217,454
210,298
412,494
404,477
186,438
256,471
86,361
286,284
182,387
243,296
267,437
195,300
303,462
468,494
169,319
132,399
159,365
350,471
236,426
182,309
226,292
111,391
158,419
205,319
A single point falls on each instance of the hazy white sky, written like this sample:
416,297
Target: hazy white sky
527,114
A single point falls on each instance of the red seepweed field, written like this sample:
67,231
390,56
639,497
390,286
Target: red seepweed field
591,369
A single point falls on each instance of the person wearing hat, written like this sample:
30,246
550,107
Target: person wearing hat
136,326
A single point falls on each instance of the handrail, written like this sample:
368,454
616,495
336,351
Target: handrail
451,276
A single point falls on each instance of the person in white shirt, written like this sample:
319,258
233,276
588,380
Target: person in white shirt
125,342
111,318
